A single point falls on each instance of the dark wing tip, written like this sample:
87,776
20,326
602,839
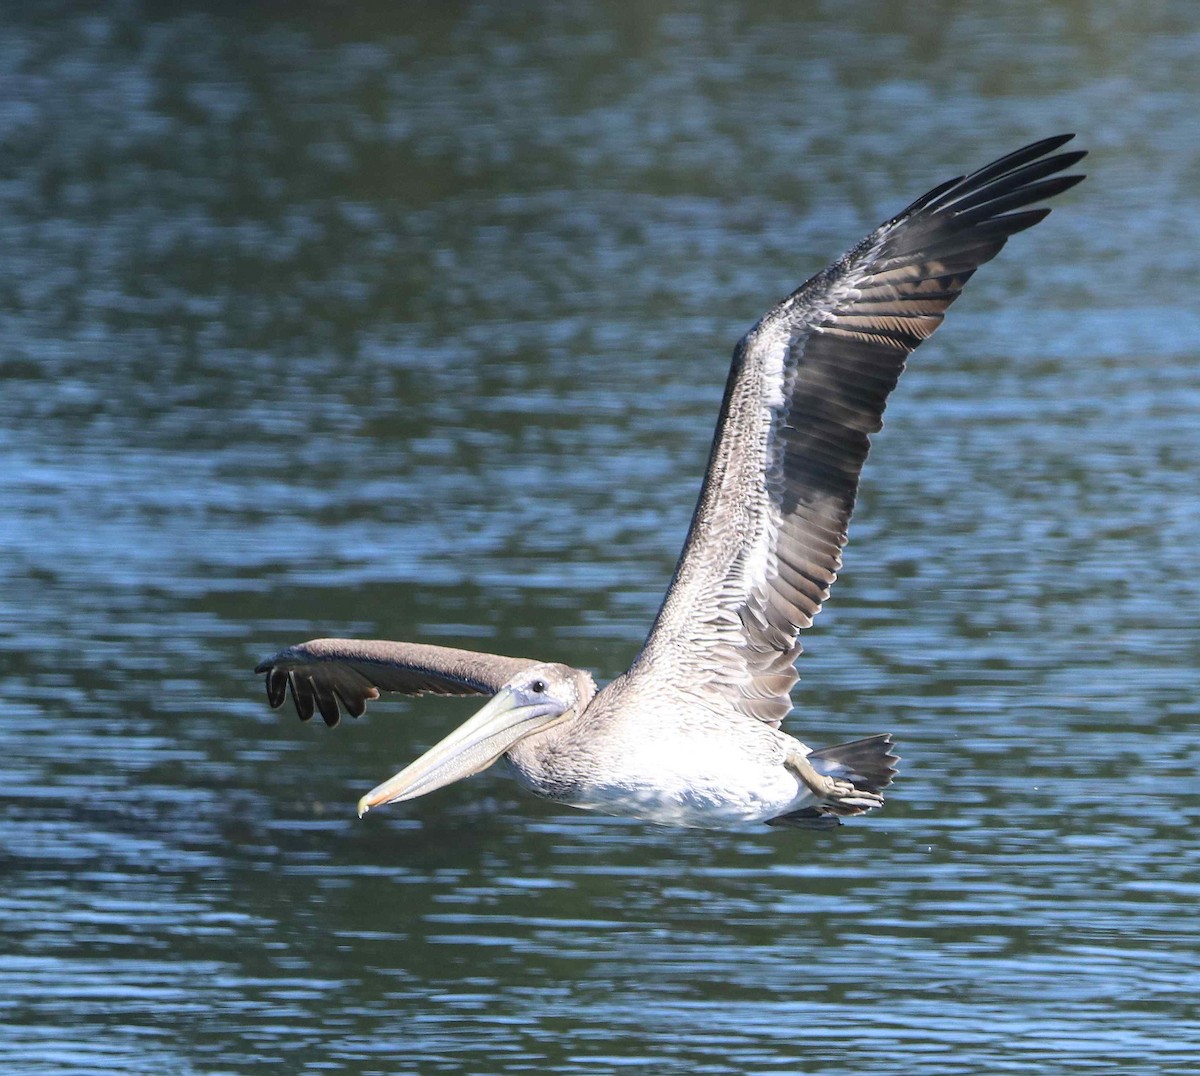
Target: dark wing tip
1015,170
277,681
311,694
356,704
1043,145
960,225
302,696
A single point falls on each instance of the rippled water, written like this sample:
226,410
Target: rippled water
413,324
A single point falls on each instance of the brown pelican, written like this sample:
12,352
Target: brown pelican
690,734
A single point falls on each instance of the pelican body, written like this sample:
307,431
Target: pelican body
690,735
724,772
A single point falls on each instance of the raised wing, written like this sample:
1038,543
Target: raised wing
808,385
325,672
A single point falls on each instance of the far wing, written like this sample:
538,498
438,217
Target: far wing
808,385
324,672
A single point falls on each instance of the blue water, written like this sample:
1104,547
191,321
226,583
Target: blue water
413,324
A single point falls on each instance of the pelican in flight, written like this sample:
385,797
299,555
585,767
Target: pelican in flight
690,734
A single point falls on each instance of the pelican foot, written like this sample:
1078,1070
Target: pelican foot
836,796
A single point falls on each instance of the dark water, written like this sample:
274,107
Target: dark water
413,325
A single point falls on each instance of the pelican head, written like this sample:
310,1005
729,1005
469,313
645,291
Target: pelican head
536,699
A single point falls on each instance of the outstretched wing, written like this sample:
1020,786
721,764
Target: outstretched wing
808,385
324,672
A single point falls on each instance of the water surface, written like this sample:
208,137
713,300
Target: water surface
414,324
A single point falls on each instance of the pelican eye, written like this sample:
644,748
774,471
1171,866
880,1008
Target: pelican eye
538,687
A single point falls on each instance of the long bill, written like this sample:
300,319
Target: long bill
471,747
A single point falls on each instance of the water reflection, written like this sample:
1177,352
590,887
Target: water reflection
300,314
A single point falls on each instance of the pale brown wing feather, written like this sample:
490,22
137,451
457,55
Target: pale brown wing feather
807,387
325,672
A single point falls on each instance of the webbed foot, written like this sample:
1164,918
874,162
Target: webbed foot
836,796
